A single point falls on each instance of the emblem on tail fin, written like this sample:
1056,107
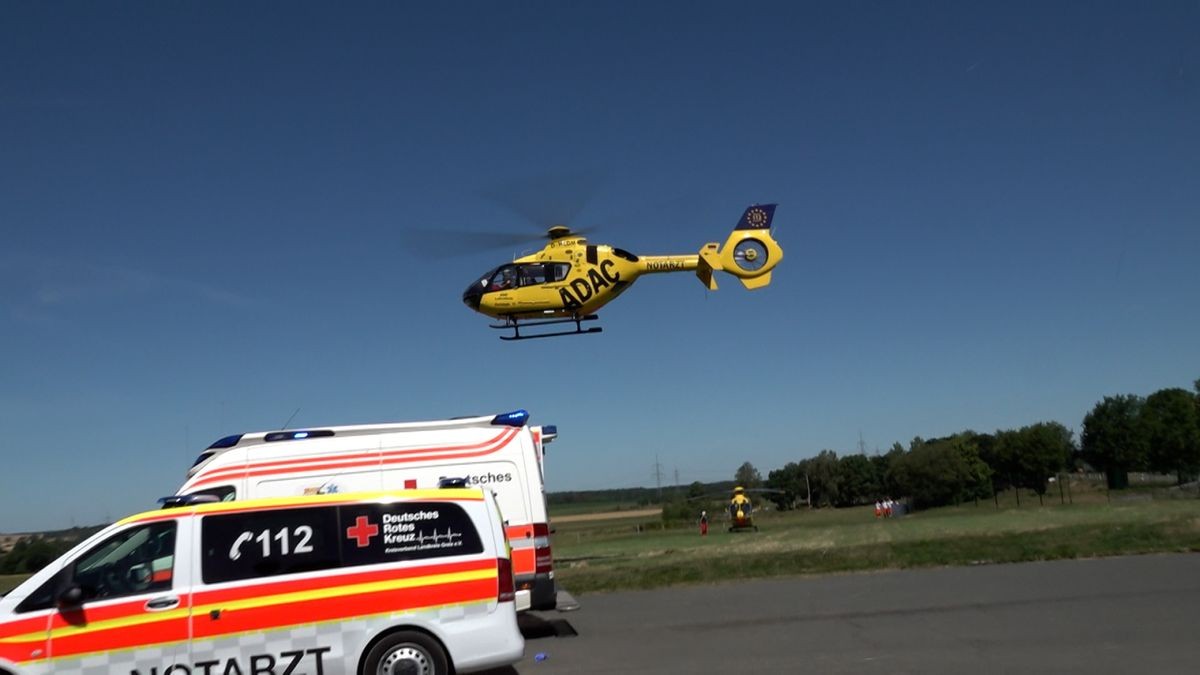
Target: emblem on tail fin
757,217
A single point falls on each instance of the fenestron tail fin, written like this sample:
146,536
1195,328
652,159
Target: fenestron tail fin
757,282
749,253
757,217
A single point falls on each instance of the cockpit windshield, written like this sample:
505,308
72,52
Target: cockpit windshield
504,278
482,284
509,276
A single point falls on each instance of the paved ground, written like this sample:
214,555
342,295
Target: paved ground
1119,615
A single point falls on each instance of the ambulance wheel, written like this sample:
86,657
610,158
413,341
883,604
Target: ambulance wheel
407,653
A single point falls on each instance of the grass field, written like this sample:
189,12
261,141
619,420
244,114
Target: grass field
578,508
10,581
623,554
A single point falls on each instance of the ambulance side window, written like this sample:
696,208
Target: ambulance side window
225,493
268,543
131,562
260,544
45,596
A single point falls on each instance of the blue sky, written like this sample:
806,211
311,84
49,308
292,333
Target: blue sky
990,216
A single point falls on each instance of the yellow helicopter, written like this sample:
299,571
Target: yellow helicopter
739,508
569,279
741,512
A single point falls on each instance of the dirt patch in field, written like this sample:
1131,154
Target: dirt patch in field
607,515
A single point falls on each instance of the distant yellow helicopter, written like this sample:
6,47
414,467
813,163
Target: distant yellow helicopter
741,512
739,508
569,280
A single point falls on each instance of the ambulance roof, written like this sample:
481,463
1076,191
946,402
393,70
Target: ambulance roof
516,418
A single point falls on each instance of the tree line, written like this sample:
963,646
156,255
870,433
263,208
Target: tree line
32,553
1158,433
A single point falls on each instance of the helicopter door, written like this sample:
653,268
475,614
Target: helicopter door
557,271
531,274
538,292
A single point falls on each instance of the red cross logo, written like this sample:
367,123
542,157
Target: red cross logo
362,531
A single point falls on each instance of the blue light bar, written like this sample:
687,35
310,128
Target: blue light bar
297,435
177,501
516,418
227,442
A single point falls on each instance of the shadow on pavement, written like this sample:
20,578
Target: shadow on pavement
535,627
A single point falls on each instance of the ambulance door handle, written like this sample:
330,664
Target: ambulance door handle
161,604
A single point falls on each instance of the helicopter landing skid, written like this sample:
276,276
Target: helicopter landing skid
516,327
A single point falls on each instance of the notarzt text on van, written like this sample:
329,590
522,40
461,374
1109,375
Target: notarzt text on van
256,664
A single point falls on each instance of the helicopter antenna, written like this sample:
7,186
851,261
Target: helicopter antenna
289,420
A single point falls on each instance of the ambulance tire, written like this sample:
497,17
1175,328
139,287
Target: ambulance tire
410,647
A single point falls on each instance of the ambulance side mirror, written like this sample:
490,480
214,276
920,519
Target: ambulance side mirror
71,597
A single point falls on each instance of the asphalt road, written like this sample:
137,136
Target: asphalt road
1117,615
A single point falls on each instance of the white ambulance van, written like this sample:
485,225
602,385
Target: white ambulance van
499,452
349,584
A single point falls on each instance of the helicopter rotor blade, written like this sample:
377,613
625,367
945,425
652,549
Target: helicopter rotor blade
555,199
444,243
547,201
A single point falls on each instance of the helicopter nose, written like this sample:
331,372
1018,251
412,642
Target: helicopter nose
472,295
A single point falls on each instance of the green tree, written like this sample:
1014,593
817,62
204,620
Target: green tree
879,465
887,476
824,477
858,481
1045,449
747,476
11,562
979,475
1113,439
1170,420
941,471
1001,456
31,554
789,481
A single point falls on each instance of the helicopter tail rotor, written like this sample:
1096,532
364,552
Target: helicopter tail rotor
749,253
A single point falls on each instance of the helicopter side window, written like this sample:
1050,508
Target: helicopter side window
557,271
504,278
532,274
